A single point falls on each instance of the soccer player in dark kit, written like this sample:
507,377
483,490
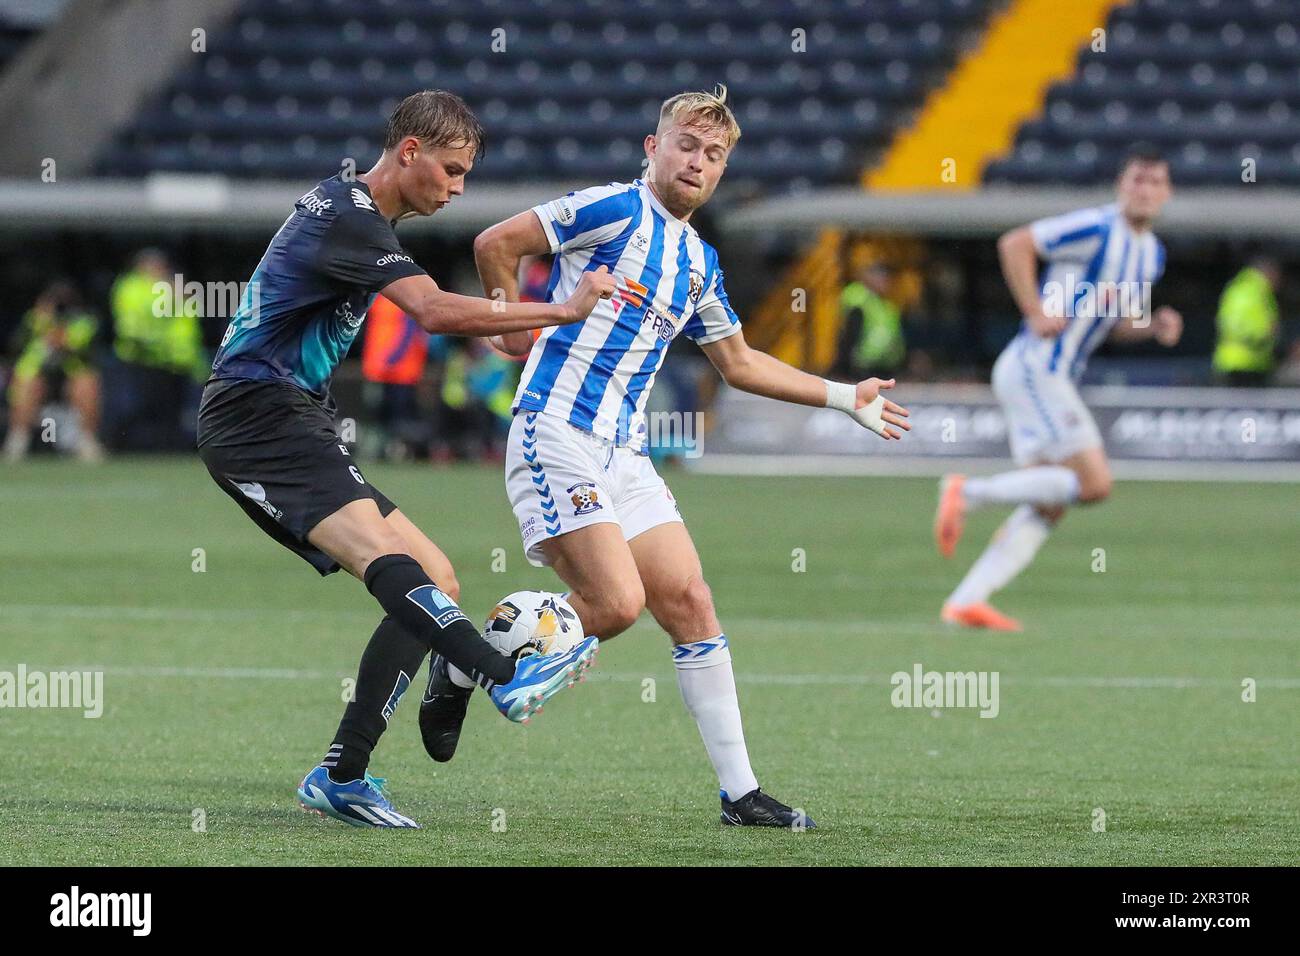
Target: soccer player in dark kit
267,431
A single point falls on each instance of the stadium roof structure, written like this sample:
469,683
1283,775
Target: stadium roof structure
178,202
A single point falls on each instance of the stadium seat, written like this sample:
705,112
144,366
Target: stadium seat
1212,84
282,95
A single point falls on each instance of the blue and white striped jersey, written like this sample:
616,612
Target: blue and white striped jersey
1098,271
597,374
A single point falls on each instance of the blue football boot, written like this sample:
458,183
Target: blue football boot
360,803
539,677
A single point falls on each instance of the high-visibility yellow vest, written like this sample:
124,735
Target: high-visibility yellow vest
78,331
881,342
1247,324
171,341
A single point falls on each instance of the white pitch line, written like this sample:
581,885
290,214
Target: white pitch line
218,615
782,680
143,613
734,625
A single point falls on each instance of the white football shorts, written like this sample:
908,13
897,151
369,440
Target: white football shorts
560,478
1046,418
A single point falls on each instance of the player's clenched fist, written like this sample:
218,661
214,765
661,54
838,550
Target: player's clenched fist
1045,325
1168,326
592,287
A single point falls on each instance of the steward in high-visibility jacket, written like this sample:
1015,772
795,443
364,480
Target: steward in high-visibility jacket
1247,325
154,331
872,337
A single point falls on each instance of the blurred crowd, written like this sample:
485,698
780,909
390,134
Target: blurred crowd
86,384
77,383
82,384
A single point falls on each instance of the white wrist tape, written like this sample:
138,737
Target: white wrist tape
844,396
841,395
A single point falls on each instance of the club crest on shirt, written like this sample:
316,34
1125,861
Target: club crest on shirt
697,285
584,497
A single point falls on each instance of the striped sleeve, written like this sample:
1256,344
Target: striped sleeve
1072,237
586,218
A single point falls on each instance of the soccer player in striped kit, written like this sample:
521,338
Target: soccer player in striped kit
588,499
1101,264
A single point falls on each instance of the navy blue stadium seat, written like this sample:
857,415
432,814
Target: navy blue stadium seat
13,37
291,87
1212,83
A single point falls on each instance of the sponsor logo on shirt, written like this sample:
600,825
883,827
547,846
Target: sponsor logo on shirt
345,314
628,291
315,204
562,211
663,325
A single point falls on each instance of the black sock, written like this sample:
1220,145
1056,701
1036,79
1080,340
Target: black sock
388,666
399,583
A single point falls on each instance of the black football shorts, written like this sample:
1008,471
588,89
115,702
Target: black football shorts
276,451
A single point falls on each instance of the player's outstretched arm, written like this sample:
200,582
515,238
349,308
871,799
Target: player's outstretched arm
447,313
757,372
1019,260
498,251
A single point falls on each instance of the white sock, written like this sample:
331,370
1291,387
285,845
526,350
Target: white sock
1012,548
1041,485
17,442
709,689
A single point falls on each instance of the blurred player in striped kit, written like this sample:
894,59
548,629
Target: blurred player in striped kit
1100,266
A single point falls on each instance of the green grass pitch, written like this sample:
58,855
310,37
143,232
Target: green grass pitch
223,687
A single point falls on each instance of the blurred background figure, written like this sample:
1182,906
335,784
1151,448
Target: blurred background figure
159,363
393,359
871,340
478,387
54,346
536,277
1247,324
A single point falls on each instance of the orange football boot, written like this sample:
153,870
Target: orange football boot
950,519
984,616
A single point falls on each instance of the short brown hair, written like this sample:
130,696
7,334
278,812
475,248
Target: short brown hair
439,119
708,110
1142,154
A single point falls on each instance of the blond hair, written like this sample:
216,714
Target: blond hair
702,109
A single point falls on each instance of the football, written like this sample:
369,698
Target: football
532,622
